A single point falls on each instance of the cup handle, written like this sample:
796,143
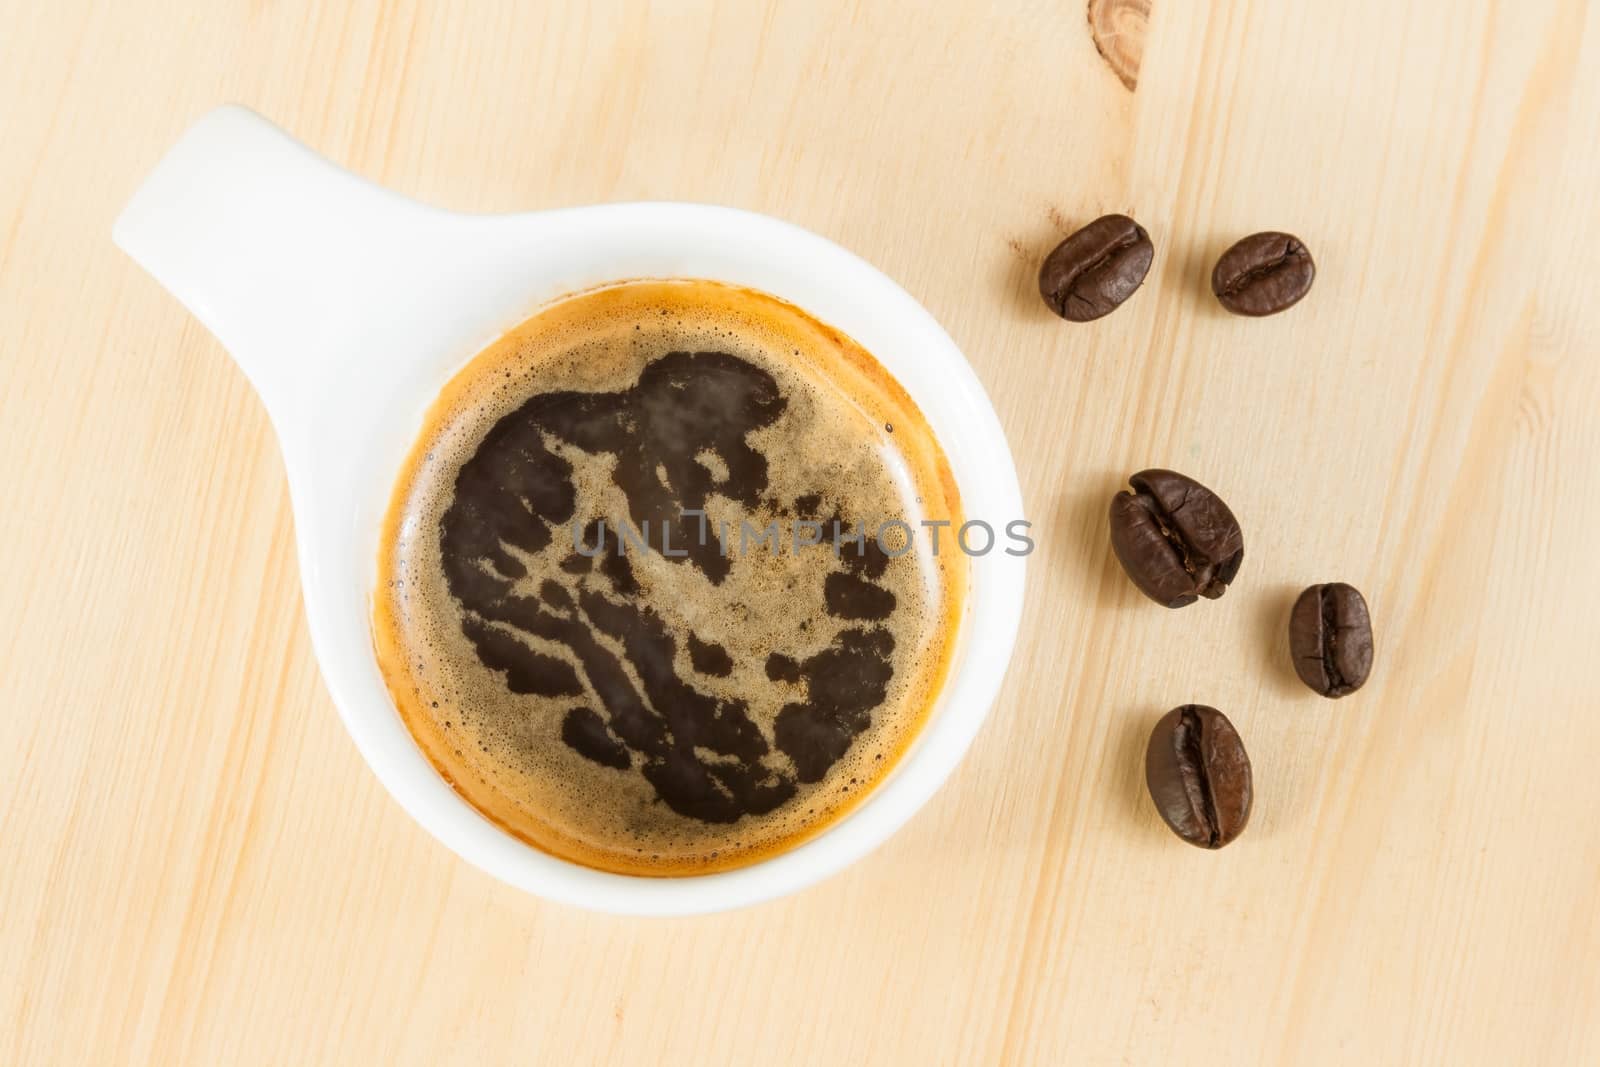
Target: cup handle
263,240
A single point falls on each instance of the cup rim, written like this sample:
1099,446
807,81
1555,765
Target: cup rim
837,287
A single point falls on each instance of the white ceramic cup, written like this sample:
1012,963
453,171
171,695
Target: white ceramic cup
349,307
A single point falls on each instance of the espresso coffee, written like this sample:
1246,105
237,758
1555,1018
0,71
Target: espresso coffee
655,592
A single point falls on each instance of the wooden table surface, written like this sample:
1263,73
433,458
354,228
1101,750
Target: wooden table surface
198,867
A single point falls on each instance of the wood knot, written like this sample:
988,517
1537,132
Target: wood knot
1118,29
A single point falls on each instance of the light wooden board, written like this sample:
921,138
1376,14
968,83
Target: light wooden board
198,868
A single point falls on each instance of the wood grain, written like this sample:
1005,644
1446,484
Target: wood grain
199,869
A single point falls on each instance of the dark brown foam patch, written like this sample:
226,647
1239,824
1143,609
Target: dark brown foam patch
850,597
709,657
587,734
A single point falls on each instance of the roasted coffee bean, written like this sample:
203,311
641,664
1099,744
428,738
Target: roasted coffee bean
1176,539
1096,269
1330,638
1263,274
1199,775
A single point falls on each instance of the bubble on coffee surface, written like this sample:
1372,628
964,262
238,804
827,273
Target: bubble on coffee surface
619,706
